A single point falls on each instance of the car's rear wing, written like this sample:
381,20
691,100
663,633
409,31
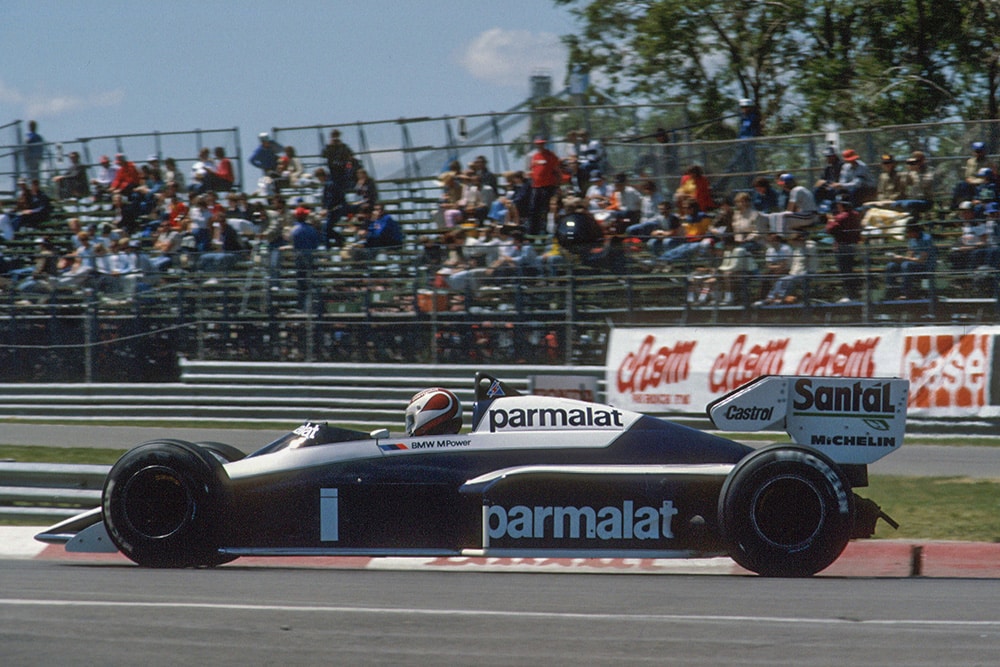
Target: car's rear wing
851,420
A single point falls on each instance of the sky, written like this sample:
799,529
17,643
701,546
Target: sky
103,67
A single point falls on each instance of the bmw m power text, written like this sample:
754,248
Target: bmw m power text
534,477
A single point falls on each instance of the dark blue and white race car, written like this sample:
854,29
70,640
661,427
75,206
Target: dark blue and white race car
535,477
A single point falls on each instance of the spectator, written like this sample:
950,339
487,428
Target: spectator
598,194
804,262
265,156
966,188
844,226
171,174
800,209
6,224
202,173
750,226
919,180
976,246
919,261
365,190
735,270
73,183
855,178
517,257
764,197
34,151
279,218
35,207
224,177
224,245
695,186
626,202
731,265
45,272
590,154
694,237
475,201
290,168
113,264
166,246
744,159
486,177
824,191
305,240
891,184
101,183
649,201
546,175
126,178
987,190
381,233
124,214
661,221
340,162
334,207
519,194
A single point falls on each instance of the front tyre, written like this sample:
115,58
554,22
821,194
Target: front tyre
162,505
786,511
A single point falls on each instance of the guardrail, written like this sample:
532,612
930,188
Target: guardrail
49,492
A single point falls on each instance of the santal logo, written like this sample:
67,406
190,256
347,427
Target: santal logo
626,522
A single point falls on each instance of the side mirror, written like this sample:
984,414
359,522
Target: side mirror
379,433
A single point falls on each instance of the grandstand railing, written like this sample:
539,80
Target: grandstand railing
183,146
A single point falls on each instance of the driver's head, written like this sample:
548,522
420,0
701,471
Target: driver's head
434,411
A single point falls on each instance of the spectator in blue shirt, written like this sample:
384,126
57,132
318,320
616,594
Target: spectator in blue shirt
305,241
383,231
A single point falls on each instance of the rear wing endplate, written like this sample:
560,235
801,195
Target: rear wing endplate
852,420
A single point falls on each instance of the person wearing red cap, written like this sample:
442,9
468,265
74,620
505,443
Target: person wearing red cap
546,175
855,178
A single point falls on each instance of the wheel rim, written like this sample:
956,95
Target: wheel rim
787,512
156,503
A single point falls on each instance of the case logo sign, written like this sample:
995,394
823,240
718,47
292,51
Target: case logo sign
626,522
554,418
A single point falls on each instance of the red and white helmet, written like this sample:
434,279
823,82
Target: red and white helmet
434,411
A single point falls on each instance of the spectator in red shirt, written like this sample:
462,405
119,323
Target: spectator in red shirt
224,170
546,175
127,177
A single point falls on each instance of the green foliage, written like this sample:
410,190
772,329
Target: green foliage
807,62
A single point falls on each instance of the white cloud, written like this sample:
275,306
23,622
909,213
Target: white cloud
48,105
510,57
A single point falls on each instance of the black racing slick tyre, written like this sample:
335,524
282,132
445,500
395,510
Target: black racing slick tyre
786,511
163,502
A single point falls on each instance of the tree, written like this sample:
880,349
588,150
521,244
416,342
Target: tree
806,62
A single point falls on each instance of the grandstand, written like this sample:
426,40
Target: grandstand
394,308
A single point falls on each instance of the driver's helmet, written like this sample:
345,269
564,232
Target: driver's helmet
434,411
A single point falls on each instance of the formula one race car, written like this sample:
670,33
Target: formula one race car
536,477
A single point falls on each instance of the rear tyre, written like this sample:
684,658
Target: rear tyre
786,511
162,505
